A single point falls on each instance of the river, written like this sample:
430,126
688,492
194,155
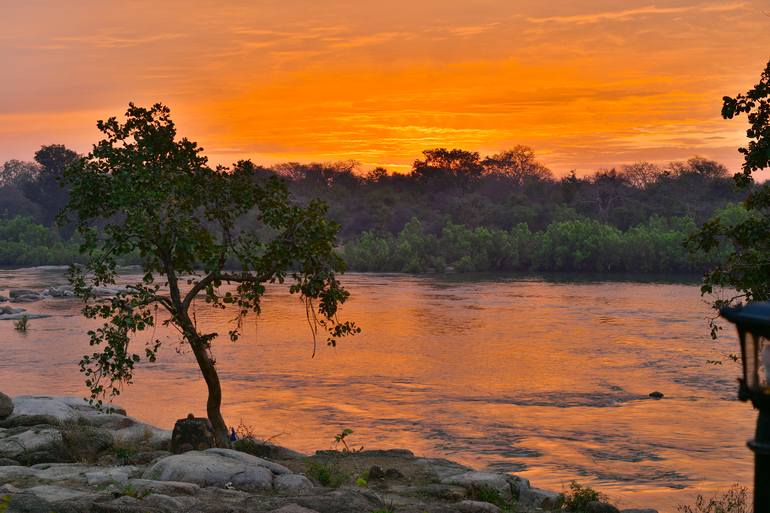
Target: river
544,378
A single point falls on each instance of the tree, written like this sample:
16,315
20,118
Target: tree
746,269
518,165
142,191
17,171
640,174
45,188
700,167
448,166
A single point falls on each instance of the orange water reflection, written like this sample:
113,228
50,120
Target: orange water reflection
545,379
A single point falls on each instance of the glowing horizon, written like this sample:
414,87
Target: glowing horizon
589,86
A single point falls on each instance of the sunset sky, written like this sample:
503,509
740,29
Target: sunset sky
587,84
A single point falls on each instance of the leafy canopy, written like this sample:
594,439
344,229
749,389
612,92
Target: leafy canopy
141,191
746,269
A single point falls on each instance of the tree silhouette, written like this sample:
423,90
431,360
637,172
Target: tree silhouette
141,191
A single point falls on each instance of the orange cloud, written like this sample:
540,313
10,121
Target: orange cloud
586,86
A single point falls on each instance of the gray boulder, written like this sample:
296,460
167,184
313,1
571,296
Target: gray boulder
543,499
20,443
248,459
477,507
436,490
58,472
474,479
266,450
600,507
110,475
6,406
8,488
48,498
155,503
11,473
442,468
518,484
39,409
217,467
293,508
343,500
292,484
60,408
160,503
146,487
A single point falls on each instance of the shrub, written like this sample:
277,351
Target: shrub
252,446
578,497
22,324
488,494
326,474
734,500
363,479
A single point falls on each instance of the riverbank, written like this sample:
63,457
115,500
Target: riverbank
58,454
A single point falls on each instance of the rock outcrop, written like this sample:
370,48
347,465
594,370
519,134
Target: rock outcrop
59,454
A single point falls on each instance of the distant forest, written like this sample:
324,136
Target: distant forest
454,211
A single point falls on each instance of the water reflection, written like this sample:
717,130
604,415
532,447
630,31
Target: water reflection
548,379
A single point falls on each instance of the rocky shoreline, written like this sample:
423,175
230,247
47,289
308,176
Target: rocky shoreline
57,454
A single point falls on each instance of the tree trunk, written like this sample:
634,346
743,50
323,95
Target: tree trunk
214,403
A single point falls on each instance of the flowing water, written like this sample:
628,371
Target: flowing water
545,379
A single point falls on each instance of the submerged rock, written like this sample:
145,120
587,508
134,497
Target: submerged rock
63,291
17,316
17,293
24,296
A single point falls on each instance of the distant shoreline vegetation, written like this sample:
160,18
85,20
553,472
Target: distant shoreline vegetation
571,246
454,212
578,245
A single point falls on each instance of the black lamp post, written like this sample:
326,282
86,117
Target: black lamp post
753,323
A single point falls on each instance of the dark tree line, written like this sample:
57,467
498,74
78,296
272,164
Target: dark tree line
446,189
504,190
